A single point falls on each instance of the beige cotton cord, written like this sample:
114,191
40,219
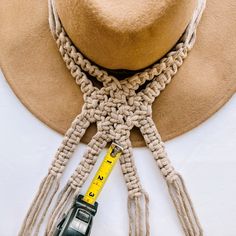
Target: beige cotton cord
116,108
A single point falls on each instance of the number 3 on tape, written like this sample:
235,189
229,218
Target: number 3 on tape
103,172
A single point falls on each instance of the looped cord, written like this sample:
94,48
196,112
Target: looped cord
136,80
115,108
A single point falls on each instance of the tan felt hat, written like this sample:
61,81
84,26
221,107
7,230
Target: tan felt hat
123,37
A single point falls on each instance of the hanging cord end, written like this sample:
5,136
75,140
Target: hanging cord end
138,210
184,206
46,191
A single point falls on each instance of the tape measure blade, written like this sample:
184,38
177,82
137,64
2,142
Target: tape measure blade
101,176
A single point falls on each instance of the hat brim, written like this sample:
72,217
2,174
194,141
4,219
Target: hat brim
35,71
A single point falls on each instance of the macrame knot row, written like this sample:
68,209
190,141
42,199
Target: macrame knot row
167,67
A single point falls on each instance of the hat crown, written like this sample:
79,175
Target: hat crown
124,34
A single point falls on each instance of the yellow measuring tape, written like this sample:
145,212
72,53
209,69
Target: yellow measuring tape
103,172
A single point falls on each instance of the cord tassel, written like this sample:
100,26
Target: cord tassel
37,204
138,211
34,223
64,200
184,207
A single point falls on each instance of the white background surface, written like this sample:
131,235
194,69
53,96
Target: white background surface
206,157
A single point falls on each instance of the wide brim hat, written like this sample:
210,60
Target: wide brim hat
37,74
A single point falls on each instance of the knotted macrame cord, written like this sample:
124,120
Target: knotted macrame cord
116,108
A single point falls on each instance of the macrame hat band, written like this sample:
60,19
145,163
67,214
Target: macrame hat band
116,107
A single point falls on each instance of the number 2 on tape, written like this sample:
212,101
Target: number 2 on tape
103,172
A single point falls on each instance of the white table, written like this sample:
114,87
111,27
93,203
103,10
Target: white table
206,157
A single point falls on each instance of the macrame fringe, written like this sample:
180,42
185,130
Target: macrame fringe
138,210
47,190
65,199
184,207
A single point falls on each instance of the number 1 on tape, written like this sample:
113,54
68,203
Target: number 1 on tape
103,172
